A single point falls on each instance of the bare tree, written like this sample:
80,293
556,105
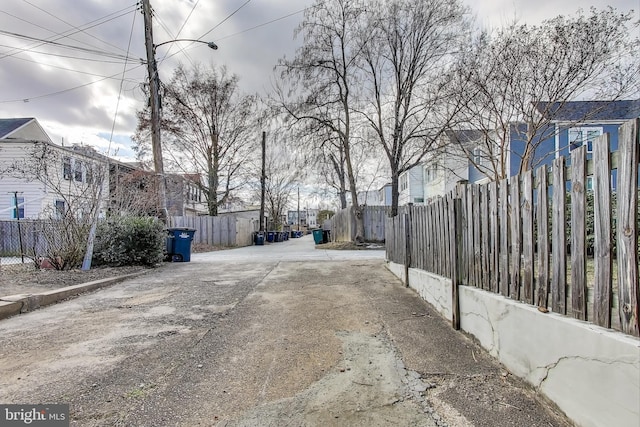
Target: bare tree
282,177
322,76
407,46
504,79
132,192
79,181
207,126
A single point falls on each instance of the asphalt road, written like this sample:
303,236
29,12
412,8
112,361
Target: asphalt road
275,335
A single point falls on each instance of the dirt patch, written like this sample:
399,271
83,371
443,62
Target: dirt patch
26,279
350,246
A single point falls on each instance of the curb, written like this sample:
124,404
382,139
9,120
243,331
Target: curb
23,303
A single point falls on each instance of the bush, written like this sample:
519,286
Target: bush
129,241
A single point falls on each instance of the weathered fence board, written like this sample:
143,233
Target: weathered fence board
516,238
627,243
559,245
603,258
578,233
495,236
542,289
504,237
527,237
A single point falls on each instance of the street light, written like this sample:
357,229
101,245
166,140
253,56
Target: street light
212,45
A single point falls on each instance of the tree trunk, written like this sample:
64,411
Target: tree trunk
212,203
343,198
395,194
357,210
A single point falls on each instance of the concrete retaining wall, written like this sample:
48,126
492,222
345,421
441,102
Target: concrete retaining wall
591,373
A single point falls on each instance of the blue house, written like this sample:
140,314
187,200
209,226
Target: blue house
565,126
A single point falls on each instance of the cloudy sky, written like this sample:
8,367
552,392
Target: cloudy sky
79,94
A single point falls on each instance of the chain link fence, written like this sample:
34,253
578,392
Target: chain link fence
21,242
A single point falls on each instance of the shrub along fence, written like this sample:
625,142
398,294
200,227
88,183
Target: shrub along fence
510,237
226,230
343,224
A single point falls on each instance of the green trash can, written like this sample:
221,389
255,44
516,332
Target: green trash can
258,238
317,236
179,244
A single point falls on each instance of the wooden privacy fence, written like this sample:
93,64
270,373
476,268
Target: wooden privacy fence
226,230
510,237
343,224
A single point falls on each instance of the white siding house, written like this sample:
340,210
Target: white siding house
411,186
45,178
441,174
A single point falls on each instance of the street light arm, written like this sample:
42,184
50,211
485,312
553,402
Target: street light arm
212,45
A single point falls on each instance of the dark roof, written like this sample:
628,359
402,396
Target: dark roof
9,125
590,110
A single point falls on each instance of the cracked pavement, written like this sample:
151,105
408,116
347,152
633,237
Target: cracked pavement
283,334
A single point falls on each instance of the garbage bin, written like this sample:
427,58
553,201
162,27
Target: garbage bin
271,236
258,238
317,236
179,244
326,236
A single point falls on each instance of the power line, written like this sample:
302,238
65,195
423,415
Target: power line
66,46
62,56
72,26
64,68
180,31
8,101
124,70
225,19
67,34
263,24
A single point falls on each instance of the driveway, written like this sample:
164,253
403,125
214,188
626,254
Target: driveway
274,335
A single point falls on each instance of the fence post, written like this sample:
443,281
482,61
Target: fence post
407,244
455,219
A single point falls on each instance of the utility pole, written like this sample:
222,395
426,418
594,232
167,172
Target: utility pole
154,81
263,178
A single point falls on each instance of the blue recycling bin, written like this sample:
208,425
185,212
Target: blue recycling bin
179,243
271,236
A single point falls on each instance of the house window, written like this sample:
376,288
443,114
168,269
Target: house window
66,168
17,211
404,182
431,173
60,208
77,171
88,174
477,156
583,136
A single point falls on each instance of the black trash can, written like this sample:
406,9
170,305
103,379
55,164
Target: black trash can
179,243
